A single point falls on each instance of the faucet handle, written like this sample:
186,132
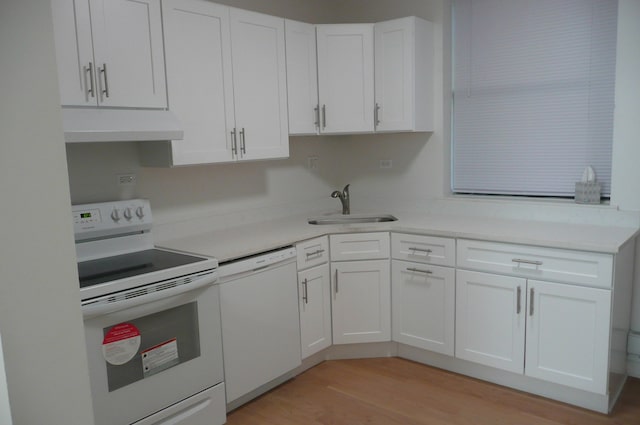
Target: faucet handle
345,191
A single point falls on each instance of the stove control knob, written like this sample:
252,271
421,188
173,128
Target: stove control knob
140,212
115,215
127,213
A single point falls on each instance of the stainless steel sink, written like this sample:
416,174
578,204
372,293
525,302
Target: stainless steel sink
352,219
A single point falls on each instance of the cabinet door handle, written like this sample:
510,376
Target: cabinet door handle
316,252
376,114
531,302
91,90
413,269
519,305
523,261
426,251
316,114
234,143
305,293
243,147
324,116
336,280
103,71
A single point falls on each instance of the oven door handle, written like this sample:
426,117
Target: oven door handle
106,304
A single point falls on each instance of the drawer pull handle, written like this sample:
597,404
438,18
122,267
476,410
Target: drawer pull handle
305,293
519,305
413,269
426,251
523,261
317,252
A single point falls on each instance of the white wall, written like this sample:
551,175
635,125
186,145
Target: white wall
40,319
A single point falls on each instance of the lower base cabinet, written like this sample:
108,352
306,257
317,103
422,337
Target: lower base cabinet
423,306
314,295
552,331
361,301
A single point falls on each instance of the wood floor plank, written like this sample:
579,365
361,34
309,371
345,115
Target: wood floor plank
394,391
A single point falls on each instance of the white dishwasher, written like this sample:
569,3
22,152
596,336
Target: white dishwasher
260,320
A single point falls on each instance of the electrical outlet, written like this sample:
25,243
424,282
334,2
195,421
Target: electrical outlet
126,179
312,162
386,163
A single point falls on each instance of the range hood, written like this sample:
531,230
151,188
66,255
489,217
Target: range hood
119,125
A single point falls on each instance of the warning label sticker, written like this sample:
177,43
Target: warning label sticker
160,357
121,343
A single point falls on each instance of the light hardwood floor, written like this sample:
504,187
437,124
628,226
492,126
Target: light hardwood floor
394,391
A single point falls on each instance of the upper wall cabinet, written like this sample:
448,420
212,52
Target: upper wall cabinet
404,75
345,78
302,78
110,53
226,82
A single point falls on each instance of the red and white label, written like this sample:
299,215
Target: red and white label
121,343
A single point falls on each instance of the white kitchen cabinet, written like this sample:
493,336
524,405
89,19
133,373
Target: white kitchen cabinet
404,75
197,32
568,335
490,320
259,85
226,83
110,53
567,325
302,78
423,306
345,78
359,246
314,295
361,297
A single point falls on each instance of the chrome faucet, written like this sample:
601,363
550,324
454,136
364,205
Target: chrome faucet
344,199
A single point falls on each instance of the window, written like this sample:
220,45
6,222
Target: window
533,95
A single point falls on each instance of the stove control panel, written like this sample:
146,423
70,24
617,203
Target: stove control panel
111,218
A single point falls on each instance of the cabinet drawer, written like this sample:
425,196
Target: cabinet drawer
424,249
359,246
560,265
312,252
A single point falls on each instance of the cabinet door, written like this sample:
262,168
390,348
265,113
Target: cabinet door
302,77
200,90
260,86
361,293
314,293
568,335
490,320
404,75
128,49
345,78
423,306
74,52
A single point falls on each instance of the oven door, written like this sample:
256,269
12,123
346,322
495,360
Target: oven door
150,356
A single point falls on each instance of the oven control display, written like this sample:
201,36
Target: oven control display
86,217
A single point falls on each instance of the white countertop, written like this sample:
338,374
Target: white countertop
236,242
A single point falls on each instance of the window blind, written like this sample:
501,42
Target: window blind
533,95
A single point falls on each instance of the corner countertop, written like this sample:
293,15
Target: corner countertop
249,239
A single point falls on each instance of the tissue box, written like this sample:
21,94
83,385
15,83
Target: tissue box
587,193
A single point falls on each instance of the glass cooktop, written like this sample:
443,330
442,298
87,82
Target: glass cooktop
108,269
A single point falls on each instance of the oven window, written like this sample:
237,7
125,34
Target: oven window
167,338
